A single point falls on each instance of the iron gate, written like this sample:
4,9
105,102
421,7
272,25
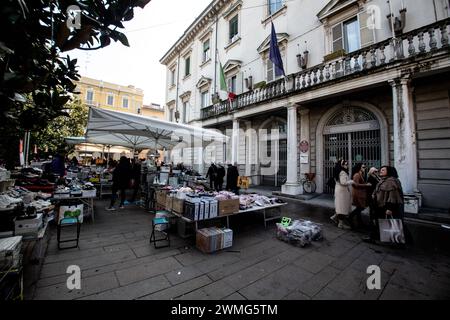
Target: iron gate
357,147
280,176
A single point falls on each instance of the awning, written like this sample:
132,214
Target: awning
139,132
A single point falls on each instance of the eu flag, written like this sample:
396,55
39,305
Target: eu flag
274,54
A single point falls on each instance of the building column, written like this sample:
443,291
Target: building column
405,144
248,148
305,145
235,142
292,187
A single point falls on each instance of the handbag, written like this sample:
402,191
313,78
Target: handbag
391,230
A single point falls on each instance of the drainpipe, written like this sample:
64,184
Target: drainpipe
178,82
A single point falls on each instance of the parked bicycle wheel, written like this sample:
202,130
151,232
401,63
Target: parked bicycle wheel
309,186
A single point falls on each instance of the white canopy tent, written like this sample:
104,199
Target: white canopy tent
139,132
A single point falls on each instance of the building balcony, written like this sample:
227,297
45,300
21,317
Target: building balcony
415,46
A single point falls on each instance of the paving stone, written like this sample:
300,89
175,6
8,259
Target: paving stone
277,285
312,286
191,257
89,286
183,274
296,295
217,290
328,294
72,254
247,276
235,296
179,290
314,261
132,291
50,270
348,258
393,292
116,247
238,266
148,270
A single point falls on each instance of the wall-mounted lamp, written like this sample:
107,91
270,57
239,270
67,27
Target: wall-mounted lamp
399,22
302,60
249,83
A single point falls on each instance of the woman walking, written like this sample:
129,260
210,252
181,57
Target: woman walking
342,195
388,196
359,193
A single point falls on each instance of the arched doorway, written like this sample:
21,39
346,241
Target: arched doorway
353,133
268,144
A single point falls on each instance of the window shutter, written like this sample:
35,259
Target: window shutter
367,34
269,70
338,40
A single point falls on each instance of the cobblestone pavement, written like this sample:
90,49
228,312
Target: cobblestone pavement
117,262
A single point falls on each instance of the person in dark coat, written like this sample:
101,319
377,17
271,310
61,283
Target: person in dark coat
373,178
57,166
136,178
387,197
232,178
212,174
121,181
220,177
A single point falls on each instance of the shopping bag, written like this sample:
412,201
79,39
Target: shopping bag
70,213
391,230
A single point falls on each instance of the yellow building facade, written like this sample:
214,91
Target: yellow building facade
153,110
110,96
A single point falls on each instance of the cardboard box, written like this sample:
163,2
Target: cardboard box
228,207
89,193
161,196
206,205
213,239
213,208
178,205
169,203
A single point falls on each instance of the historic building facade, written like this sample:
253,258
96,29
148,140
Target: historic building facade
359,85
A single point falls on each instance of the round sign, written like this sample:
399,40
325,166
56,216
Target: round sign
304,146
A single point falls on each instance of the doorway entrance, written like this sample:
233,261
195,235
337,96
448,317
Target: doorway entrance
353,134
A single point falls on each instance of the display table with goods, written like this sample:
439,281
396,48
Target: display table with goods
32,179
77,193
194,206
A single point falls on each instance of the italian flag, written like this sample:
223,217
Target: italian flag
223,85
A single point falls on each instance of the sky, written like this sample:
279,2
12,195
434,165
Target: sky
151,33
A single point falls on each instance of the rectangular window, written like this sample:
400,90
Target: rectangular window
187,66
206,50
232,84
274,6
353,34
125,102
172,77
90,96
234,28
185,111
204,99
110,100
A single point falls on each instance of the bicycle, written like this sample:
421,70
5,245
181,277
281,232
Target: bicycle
308,184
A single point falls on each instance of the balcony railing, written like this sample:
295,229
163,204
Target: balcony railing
416,44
